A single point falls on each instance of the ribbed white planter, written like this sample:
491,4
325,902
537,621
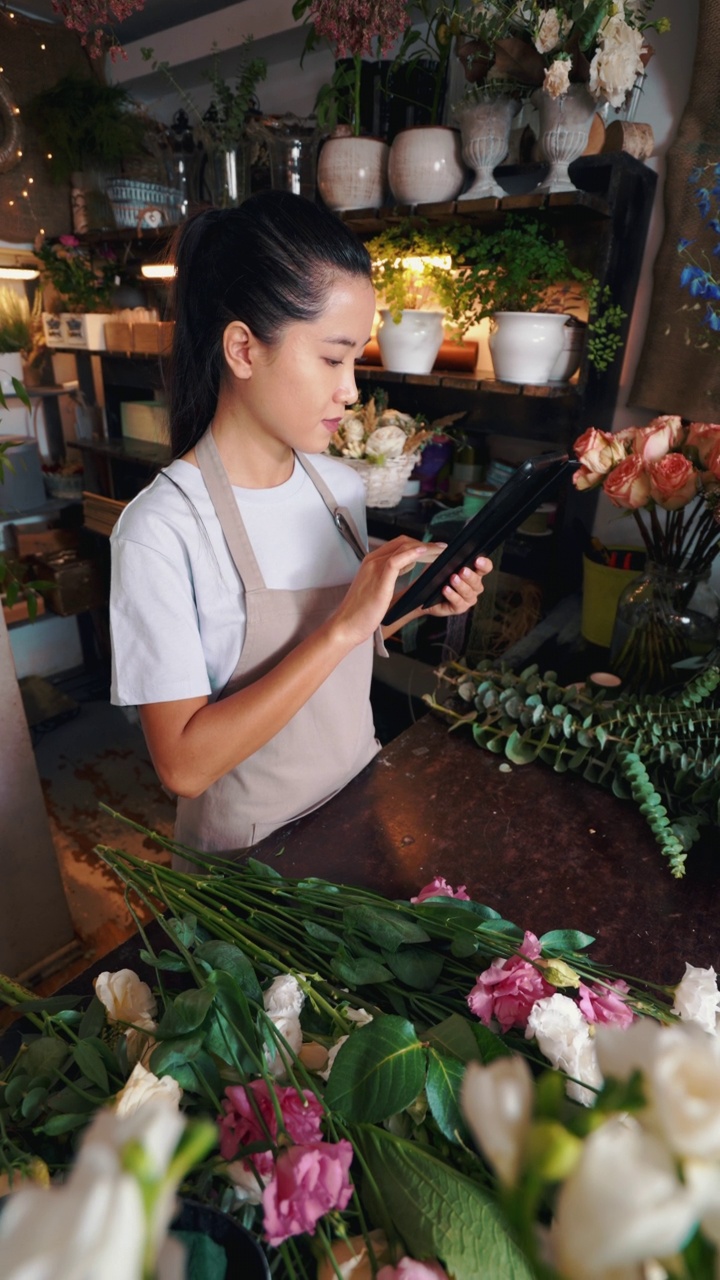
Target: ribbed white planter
564,130
485,130
425,165
410,345
10,367
352,173
525,345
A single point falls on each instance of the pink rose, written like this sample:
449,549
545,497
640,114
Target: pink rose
70,242
629,484
240,1126
508,990
606,1003
598,451
673,481
308,1183
439,888
411,1269
583,479
658,438
704,437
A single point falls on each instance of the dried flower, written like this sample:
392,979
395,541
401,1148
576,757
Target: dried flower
94,19
352,25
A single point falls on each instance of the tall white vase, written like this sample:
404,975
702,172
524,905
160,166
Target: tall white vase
485,128
410,345
564,130
525,345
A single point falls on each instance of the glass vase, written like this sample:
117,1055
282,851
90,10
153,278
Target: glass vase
666,628
225,176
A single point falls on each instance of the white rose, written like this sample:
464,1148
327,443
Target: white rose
564,1038
683,1091
697,998
125,997
617,61
496,1102
557,78
283,1002
386,442
140,1040
332,1055
394,418
142,1086
352,429
359,1016
622,1205
550,31
621,1051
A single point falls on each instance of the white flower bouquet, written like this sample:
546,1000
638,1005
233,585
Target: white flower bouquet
383,445
363,1064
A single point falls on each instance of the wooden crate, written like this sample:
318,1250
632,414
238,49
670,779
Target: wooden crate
119,335
153,338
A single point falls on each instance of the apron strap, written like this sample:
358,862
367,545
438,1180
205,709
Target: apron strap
223,499
342,518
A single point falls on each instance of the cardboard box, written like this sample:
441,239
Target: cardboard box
144,420
118,335
153,338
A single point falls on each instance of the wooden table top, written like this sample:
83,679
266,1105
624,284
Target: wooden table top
546,850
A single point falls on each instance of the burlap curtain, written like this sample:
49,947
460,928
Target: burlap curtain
679,369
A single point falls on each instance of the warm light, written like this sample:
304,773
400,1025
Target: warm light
49,155
442,261
30,180
42,46
25,194
157,270
18,273
11,202
16,111
19,153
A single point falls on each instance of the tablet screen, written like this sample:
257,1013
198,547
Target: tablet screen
527,487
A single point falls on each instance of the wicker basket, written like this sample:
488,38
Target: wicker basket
384,483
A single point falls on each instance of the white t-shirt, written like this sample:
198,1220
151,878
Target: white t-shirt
177,605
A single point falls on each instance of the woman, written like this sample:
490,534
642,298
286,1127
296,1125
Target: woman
243,605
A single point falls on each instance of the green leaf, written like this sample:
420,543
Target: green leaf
44,1056
378,1071
520,751
32,1103
165,959
14,1090
319,932
557,941
444,1078
186,1013
172,1053
70,1102
464,945
50,1004
231,1033
415,966
90,1062
94,1019
263,870
58,1125
388,929
230,959
184,929
454,1036
359,971
20,392
489,1046
444,1214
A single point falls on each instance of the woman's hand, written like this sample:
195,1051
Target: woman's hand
371,593
462,591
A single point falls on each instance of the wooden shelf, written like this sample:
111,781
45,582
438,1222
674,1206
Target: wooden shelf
470,382
126,450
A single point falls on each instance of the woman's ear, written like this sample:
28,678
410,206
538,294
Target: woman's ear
238,348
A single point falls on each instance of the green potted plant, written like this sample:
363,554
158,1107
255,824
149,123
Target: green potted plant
22,347
88,130
84,285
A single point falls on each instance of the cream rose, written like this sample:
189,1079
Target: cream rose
497,1103
683,1091
598,451
550,31
617,62
142,1086
673,481
386,442
697,998
628,485
658,438
125,997
557,78
283,1002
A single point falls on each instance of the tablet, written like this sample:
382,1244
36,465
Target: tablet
527,487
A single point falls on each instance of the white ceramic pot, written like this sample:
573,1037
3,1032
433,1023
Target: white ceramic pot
564,130
425,165
526,345
10,367
352,173
568,362
85,331
485,130
410,345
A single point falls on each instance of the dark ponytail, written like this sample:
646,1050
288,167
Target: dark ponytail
268,262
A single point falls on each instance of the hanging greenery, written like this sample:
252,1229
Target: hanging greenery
664,753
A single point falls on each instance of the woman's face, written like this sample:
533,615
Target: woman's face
299,387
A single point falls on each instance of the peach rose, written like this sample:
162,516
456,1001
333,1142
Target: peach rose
673,481
703,436
598,451
629,484
712,461
658,438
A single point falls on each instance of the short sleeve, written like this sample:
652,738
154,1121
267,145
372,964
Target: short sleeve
157,653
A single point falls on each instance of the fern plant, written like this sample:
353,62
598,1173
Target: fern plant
664,753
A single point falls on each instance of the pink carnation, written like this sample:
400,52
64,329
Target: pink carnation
308,1182
606,1003
508,990
70,242
241,1125
439,888
411,1269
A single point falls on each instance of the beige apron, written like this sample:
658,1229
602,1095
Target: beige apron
328,741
